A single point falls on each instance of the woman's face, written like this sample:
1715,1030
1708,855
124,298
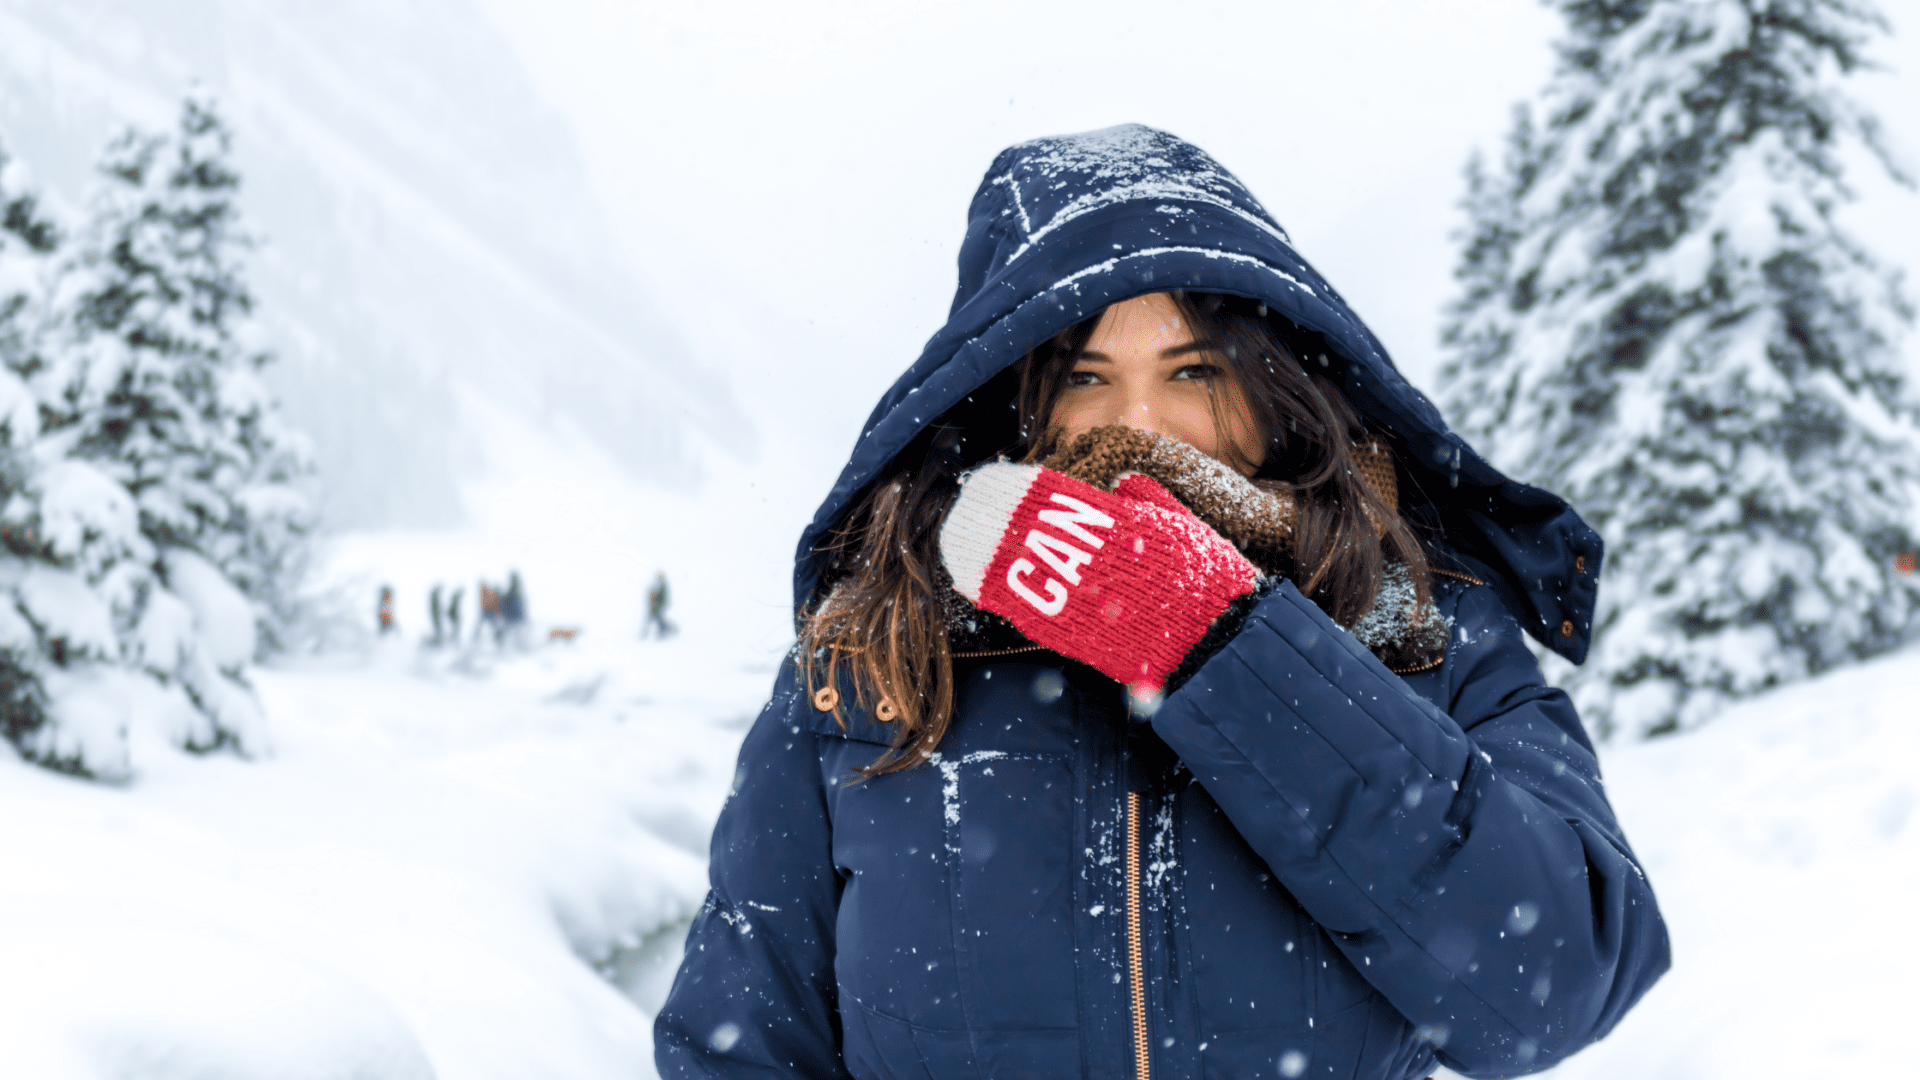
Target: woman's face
1143,369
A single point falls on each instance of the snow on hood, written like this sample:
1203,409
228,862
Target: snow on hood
1063,226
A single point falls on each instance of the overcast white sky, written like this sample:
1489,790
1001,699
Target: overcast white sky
798,173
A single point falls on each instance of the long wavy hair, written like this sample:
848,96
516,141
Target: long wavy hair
882,611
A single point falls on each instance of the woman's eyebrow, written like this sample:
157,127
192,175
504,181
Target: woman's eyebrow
1189,347
1165,354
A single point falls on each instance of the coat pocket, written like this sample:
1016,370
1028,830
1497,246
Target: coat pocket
877,1046
1010,827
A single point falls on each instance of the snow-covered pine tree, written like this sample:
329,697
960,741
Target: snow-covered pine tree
178,408
1662,320
164,514
28,241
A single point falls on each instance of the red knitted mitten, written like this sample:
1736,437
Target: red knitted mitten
1127,581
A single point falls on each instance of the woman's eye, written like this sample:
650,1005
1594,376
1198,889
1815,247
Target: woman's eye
1082,378
1198,371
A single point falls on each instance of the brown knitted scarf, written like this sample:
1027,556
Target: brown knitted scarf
1256,515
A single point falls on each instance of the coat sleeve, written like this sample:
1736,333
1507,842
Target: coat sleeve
1466,862
755,992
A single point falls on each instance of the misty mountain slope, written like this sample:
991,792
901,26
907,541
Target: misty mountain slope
428,226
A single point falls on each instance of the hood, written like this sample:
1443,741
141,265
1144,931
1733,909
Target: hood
1063,226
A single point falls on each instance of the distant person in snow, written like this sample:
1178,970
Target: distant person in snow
657,600
513,610
453,614
384,612
493,614
1174,650
434,610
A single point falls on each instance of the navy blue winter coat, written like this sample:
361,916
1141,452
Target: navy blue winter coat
1303,865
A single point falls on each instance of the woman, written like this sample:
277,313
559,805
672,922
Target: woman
1161,706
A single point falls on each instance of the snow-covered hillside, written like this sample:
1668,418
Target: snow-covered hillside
431,239
419,882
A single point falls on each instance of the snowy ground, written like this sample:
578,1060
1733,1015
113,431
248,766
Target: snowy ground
421,880
1782,846
464,865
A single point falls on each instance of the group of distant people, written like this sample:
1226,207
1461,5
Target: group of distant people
503,611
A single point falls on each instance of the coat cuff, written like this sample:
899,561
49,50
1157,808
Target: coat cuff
1223,630
1293,714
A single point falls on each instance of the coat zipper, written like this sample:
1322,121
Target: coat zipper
999,652
1136,960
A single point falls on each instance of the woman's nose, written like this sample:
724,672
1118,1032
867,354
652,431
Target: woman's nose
1142,414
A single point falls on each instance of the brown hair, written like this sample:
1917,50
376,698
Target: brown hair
884,612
